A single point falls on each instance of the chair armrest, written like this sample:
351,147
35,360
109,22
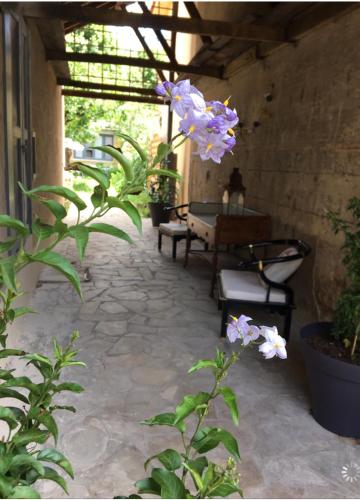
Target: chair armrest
176,207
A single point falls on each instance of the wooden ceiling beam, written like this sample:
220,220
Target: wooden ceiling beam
58,55
195,14
149,53
112,97
104,86
168,50
318,15
77,13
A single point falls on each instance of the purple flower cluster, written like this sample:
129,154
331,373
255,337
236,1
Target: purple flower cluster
210,124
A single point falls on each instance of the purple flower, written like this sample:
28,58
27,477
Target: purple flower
193,123
230,143
238,328
210,147
164,89
221,111
183,96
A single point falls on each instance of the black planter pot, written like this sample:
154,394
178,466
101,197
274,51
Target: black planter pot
334,387
158,215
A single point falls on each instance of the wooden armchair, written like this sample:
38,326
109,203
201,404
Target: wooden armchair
174,230
267,286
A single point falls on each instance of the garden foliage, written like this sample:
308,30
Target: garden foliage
28,419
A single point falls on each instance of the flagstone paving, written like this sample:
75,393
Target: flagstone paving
143,322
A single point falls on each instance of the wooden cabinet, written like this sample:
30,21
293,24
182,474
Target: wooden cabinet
211,223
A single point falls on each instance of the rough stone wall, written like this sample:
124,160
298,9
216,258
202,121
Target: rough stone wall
305,155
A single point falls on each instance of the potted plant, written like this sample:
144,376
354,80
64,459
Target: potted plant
332,349
159,196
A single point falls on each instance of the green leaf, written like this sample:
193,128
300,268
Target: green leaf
220,359
128,208
81,235
7,268
5,487
40,358
54,456
95,173
208,438
6,374
10,393
202,363
66,193
21,311
196,477
5,462
189,405
52,475
4,353
63,407
198,464
59,263
230,400
224,490
135,145
165,419
32,436
171,485
42,231
46,419
24,382
148,485
101,227
163,150
120,158
7,244
73,363
55,208
9,417
165,172
25,460
170,459
24,492
69,386
17,225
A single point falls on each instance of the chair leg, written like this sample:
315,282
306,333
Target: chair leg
224,318
159,241
174,247
206,247
287,324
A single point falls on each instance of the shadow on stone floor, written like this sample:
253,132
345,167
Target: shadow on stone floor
144,321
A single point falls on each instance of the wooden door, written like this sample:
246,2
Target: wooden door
18,161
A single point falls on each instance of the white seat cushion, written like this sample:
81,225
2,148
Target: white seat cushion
173,229
283,270
244,285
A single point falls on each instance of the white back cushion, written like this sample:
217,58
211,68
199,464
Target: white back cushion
283,270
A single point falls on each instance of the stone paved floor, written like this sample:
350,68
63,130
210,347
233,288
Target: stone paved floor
144,322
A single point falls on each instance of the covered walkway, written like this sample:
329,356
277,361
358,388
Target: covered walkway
141,330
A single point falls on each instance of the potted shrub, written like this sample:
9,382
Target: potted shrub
332,349
159,195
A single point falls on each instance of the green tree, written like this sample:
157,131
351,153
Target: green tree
85,118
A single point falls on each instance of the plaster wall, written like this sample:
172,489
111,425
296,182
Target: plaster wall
47,121
305,156
46,108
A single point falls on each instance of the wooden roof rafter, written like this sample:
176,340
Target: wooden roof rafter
78,13
112,96
58,55
167,48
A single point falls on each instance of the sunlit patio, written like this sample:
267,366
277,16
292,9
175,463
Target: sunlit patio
141,329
